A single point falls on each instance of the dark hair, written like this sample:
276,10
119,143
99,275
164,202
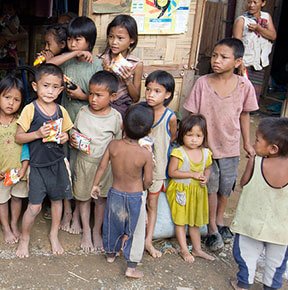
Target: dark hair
138,121
49,69
164,79
12,82
85,27
274,130
127,22
59,31
235,44
105,78
188,123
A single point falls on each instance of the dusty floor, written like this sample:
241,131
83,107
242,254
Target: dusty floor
75,269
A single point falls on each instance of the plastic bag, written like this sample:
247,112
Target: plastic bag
11,177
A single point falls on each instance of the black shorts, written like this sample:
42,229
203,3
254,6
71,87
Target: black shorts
52,181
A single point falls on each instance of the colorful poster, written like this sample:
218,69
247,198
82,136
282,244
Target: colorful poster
111,6
161,16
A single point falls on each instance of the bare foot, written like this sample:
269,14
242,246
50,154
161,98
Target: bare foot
75,228
22,250
86,242
97,242
65,222
56,246
152,251
233,283
15,231
133,273
203,255
186,256
9,237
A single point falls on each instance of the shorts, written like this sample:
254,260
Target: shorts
19,189
52,181
223,175
157,186
84,174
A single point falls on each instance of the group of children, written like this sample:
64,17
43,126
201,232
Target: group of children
120,168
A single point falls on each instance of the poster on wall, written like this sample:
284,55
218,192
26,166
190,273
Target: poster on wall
161,16
111,6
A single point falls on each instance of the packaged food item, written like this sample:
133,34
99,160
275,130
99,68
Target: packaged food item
39,60
11,177
119,62
147,142
69,84
55,131
83,142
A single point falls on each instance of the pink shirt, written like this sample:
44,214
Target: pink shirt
222,113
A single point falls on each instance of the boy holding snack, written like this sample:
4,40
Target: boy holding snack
43,124
95,126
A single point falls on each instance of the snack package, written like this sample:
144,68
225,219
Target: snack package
83,142
69,84
39,60
11,177
55,131
119,62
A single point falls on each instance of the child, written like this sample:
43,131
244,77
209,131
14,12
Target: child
225,99
78,64
122,38
260,222
102,124
187,191
125,209
48,169
159,93
11,100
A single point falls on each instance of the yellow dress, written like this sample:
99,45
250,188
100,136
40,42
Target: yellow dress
194,208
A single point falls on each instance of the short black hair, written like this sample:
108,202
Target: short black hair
187,123
49,69
127,22
274,130
164,79
235,44
105,78
138,121
85,27
59,31
12,82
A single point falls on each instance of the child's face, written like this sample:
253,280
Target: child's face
52,45
48,88
194,138
223,59
261,146
99,99
119,40
10,101
155,94
255,6
77,43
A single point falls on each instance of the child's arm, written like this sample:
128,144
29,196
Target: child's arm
63,57
204,179
22,137
245,130
99,173
248,171
148,170
25,157
173,128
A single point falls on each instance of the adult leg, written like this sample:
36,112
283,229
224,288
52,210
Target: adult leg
181,238
56,213
212,199
28,220
99,210
221,206
152,204
16,206
86,241
9,237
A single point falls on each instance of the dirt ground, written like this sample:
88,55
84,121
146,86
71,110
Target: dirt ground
77,270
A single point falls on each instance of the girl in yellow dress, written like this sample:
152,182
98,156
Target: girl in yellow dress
187,191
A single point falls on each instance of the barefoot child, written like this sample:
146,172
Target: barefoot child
260,221
11,100
48,169
132,174
102,124
187,191
159,92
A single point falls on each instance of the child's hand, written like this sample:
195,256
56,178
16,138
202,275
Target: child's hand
2,175
95,192
43,131
64,137
126,73
85,56
21,172
197,175
47,54
203,180
249,150
73,140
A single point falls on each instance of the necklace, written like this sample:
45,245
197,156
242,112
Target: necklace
7,125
